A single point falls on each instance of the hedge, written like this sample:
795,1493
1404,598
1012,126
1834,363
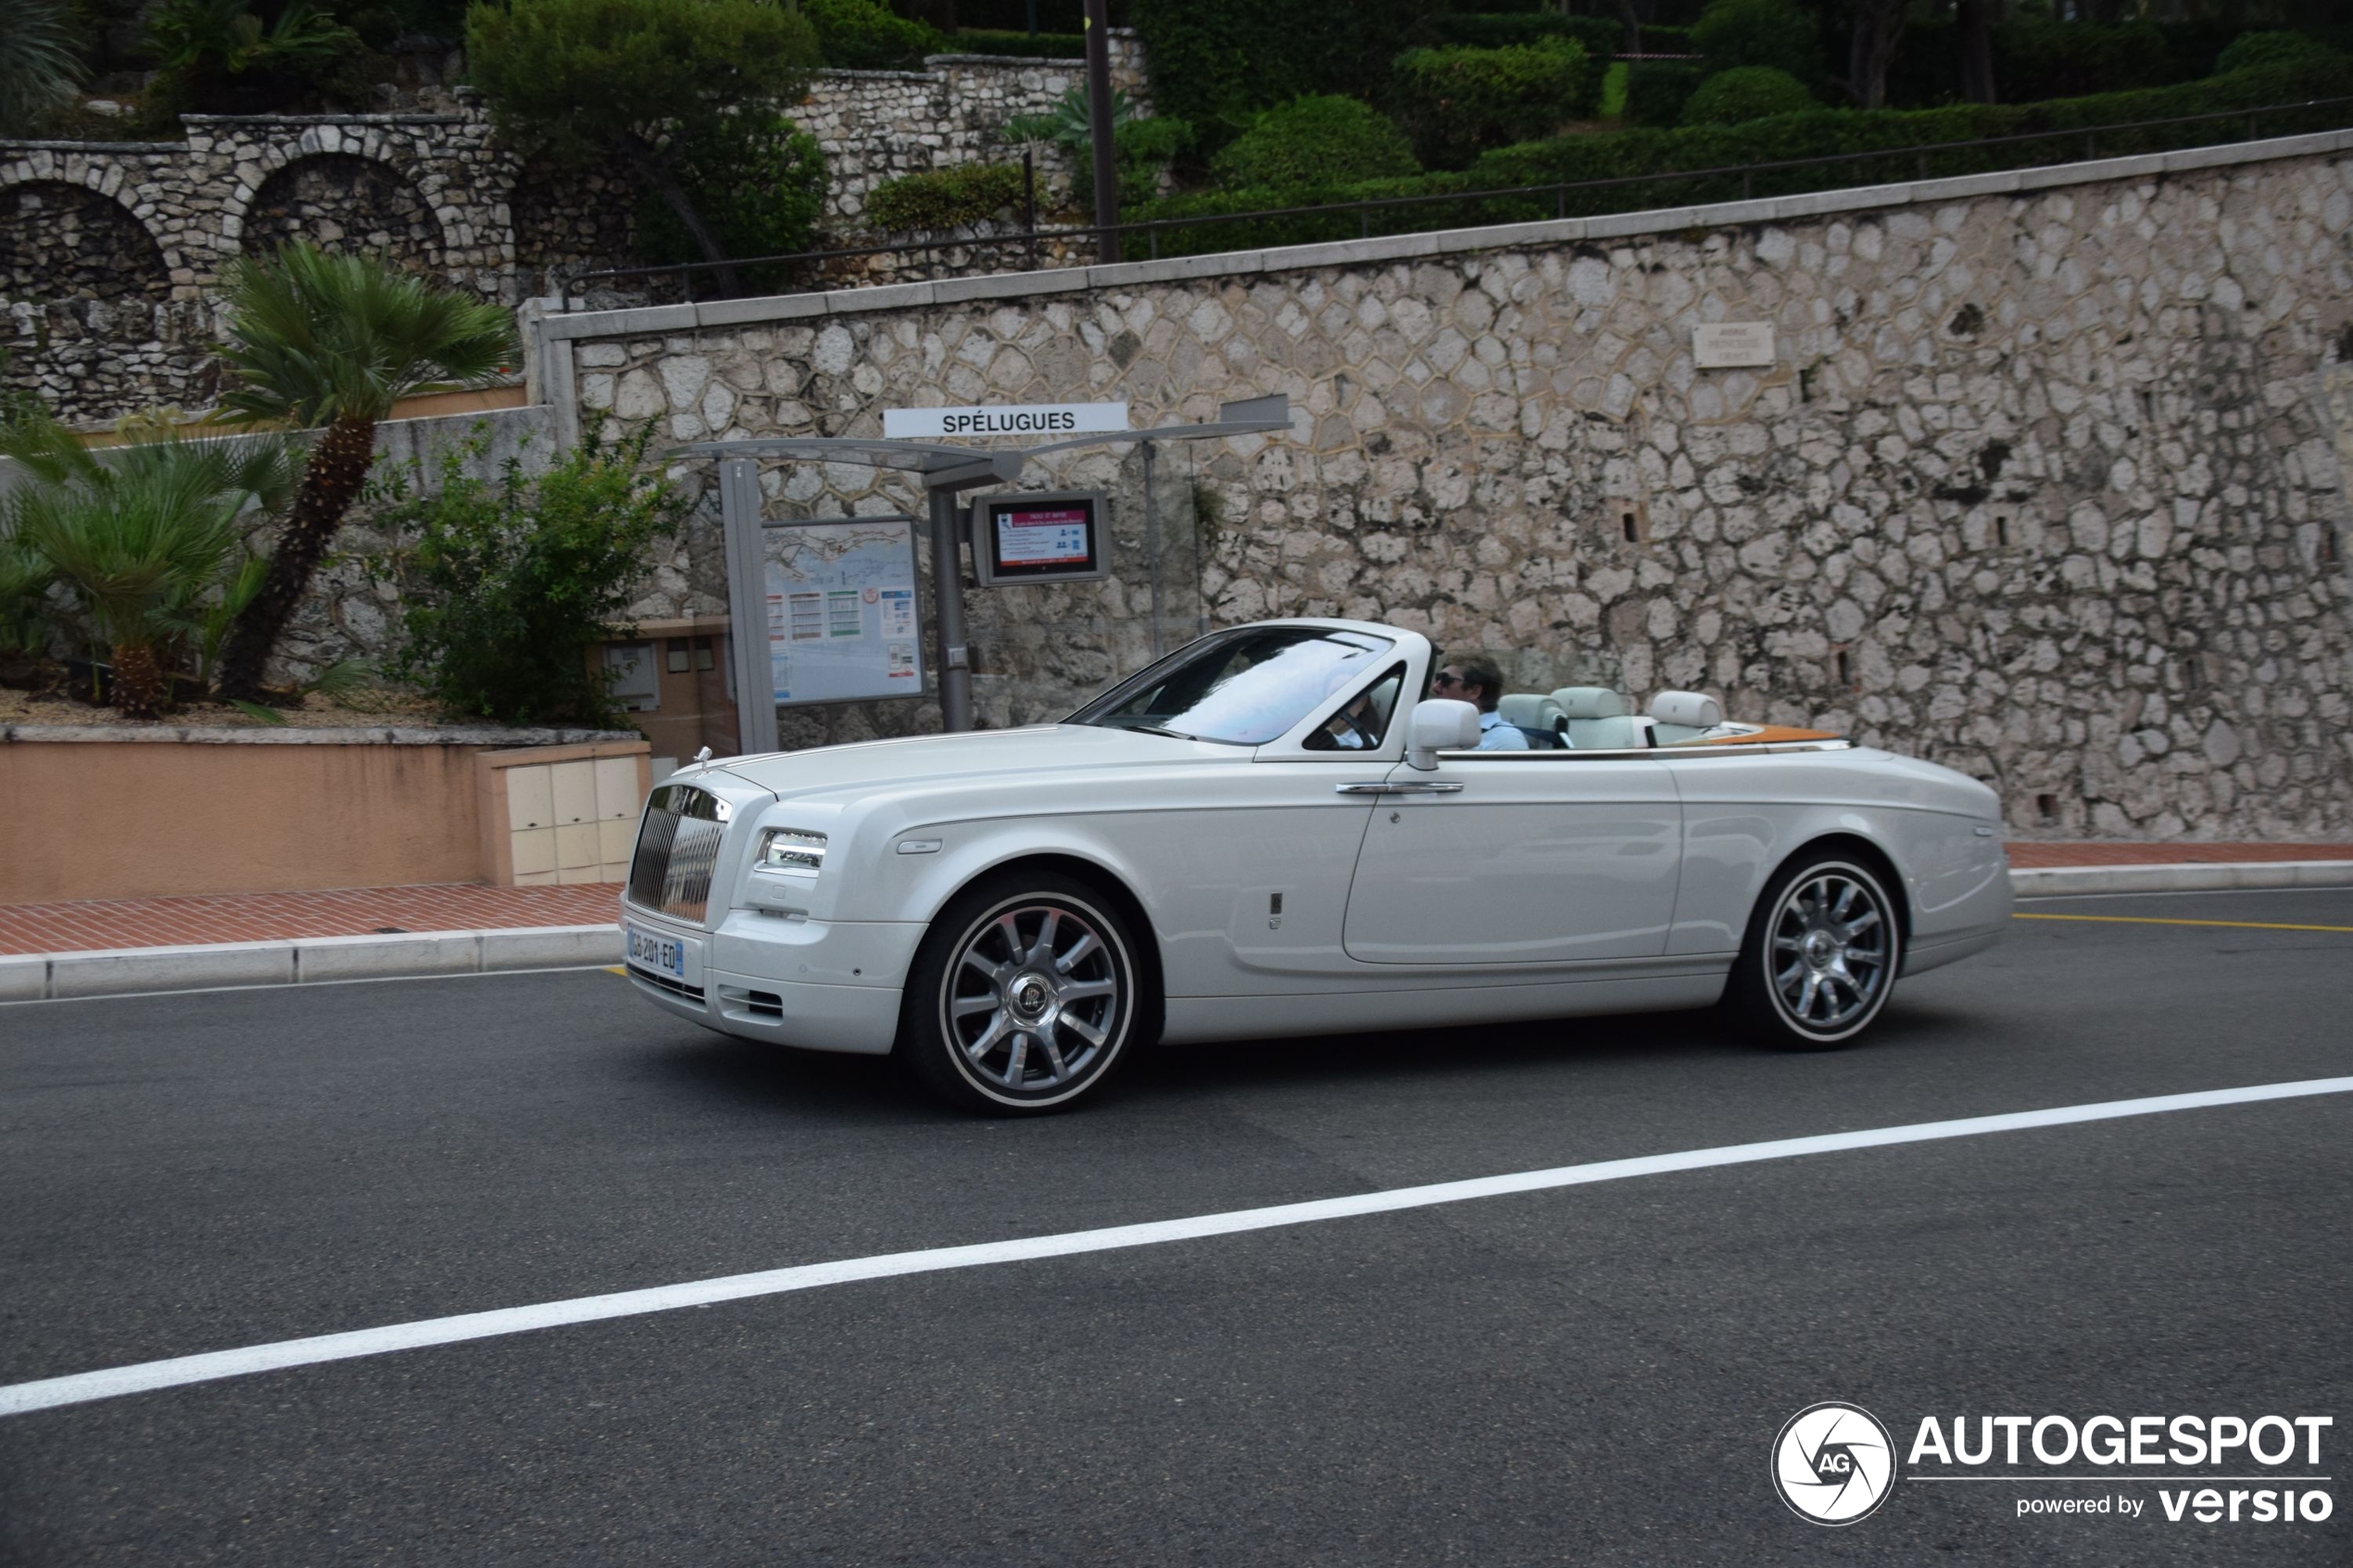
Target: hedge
945,198
864,35
1215,62
1773,33
1602,36
1815,134
1318,140
1658,90
1746,93
1021,46
1458,102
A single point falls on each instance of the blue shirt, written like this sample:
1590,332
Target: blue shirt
1496,735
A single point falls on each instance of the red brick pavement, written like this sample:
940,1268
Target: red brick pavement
262,917
359,912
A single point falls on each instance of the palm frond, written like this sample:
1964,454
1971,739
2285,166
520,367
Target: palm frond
39,66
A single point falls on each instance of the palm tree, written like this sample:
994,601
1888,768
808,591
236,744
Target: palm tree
38,64
334,341
141,535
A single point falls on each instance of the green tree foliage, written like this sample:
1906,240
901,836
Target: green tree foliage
509,585
335,342
759,181
39,66
639,81
1603,36
1746,93
955,197
1777,33
223,56
2036,58
2250,50
141,537
1314,140
1658,90
1141,145
1215,62
864,35
1458,102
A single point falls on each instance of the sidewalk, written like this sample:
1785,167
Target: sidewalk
133,945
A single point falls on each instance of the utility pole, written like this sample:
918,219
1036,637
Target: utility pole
1099,124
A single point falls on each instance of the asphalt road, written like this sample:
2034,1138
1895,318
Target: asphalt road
1589,1374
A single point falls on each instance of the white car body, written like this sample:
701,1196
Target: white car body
1270,901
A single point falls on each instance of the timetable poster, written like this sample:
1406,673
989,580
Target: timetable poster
841,610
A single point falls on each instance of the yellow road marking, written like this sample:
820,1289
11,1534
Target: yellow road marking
2149,920
616,969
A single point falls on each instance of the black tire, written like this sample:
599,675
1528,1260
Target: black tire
1007,1013
1820,956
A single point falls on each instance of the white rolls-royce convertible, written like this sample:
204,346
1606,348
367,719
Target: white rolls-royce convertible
1281,830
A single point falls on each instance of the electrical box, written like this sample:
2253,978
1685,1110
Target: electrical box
1041,536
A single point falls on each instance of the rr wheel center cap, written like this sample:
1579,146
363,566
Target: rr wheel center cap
1030,997
1821,948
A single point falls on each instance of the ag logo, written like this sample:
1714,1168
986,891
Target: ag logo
1834,1464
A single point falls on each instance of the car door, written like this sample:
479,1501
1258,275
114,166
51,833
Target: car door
1534,857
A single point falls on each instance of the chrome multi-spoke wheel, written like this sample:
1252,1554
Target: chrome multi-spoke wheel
1822,953
1028,994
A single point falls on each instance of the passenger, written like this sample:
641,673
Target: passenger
1481,684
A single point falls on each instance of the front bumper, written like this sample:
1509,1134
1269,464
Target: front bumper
822,985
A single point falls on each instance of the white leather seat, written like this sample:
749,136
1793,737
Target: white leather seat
1682,716
1531,710
1598,720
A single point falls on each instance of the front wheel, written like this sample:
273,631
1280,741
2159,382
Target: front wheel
1819,957
1022,999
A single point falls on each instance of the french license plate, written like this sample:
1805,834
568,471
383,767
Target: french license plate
665,954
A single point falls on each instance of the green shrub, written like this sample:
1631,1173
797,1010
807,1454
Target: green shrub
2249,50
1773,33
1658,90
1325,139
1746,93
1668,41
1456,102
864,35
757,179
946,198
1215,62
1021,46
509,585
2036,58
1603,36
1819,132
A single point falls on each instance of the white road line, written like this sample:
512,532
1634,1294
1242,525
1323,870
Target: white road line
80,1388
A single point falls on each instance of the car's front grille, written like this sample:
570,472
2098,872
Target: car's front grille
663,983
677,848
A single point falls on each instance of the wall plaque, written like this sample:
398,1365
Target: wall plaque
1717,346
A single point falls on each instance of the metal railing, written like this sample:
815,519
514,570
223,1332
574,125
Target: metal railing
1031,242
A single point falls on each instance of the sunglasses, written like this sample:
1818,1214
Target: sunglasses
1442,679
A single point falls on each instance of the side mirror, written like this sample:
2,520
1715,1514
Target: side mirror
1440,724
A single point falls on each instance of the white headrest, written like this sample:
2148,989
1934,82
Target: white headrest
1695,708
1590,702
1530,710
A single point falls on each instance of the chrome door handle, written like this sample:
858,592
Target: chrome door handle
1407,787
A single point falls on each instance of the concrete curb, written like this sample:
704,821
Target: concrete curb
32,977
2059,882
35,977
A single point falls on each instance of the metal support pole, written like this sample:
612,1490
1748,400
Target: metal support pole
947,614
742,529
1099,124
1151,543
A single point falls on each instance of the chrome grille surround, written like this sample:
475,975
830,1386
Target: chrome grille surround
677,849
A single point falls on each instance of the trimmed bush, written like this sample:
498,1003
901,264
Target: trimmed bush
864,35
2250,50
1321,139
1456,102
1021,46
946,198
1773,33
1602,36
1215,62
1658,90
2036,58
1746,93
1668,41
1815,133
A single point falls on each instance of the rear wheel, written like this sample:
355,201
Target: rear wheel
1819,958
1023,998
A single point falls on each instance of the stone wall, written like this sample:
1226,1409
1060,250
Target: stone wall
2042,483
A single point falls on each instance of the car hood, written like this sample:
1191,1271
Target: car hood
919,759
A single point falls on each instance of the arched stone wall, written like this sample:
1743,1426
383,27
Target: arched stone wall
61,241
343,202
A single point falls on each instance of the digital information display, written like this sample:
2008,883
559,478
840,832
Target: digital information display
841,610
1040,538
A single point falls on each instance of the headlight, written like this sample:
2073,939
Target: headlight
790,849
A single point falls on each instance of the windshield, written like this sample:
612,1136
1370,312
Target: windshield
1239,688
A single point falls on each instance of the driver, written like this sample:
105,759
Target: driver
1477,681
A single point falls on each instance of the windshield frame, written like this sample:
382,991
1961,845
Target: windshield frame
1093,713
